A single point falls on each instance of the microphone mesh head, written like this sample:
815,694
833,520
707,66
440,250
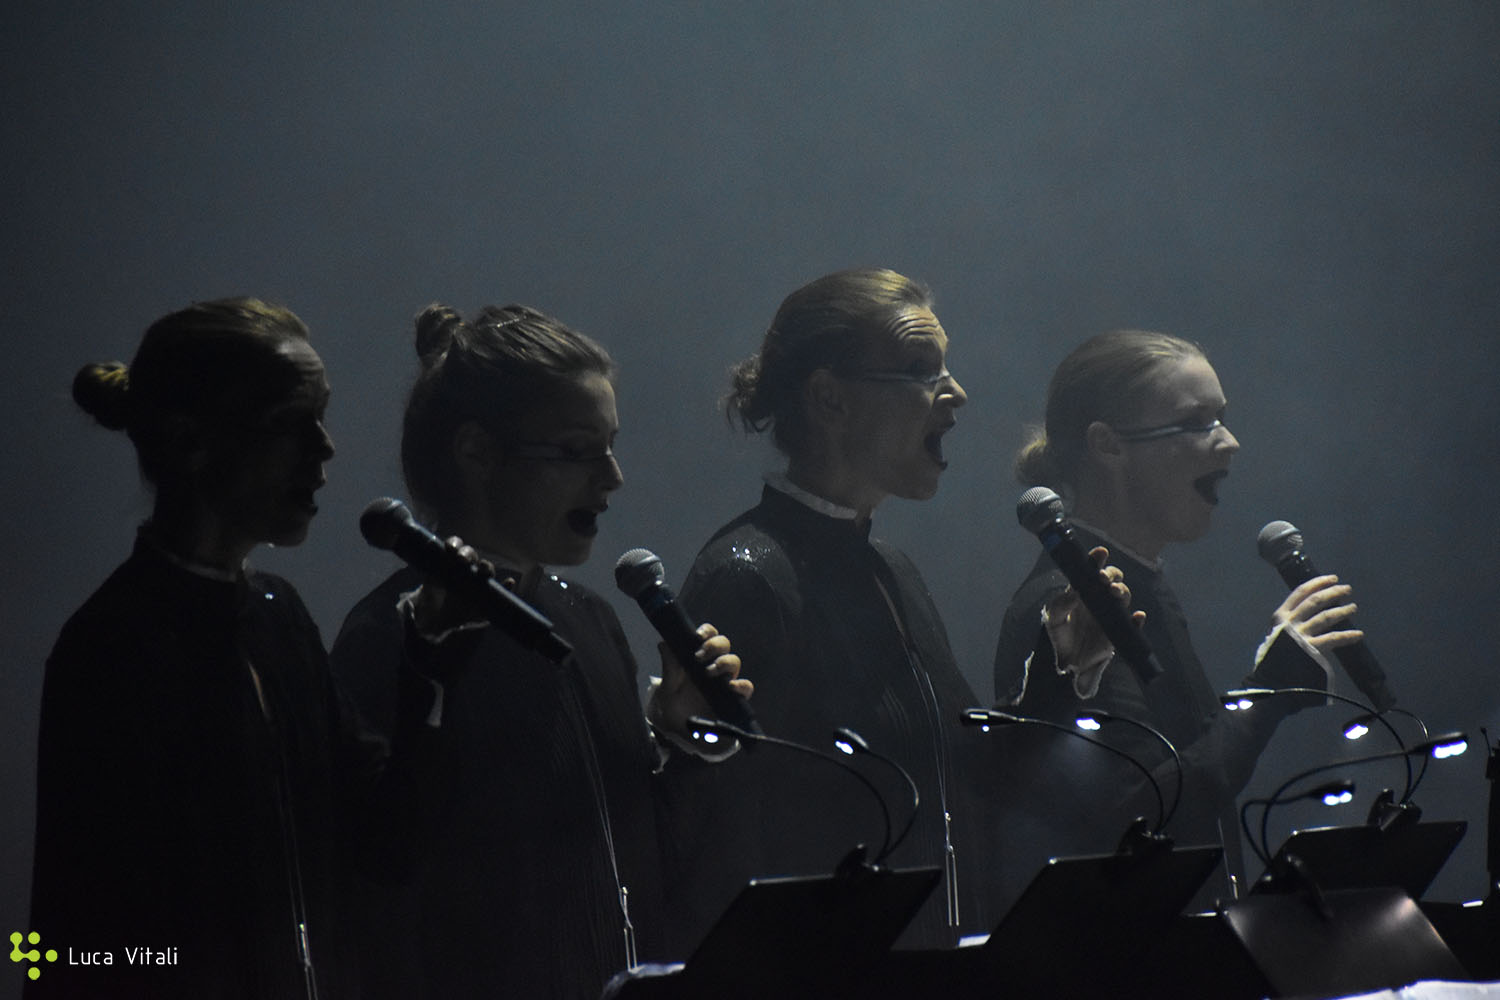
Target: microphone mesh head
1278,540
382,521
1037,508
638,571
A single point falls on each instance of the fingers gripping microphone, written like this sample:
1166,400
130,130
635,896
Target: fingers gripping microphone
639,573
1040,511
1280,544
387,524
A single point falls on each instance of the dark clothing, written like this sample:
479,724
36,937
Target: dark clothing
836,629
1087,813
552,787
173,813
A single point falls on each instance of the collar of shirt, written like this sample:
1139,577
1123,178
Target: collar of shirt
779,482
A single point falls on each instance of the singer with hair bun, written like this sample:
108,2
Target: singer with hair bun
201,790
1136,444
545,878
852,382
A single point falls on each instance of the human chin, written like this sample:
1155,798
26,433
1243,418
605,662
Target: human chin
1193,519
568,548
918,482
289,533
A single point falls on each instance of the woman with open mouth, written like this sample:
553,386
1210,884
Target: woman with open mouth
544,877
1136,444
852,382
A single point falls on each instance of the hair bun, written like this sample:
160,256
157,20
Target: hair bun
102,391
437,325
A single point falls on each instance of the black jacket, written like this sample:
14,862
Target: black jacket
551,789
173,813
835,629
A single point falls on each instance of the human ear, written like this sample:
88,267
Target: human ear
823,395
475,453
1101,442
186,437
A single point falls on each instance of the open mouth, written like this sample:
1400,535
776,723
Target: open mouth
933,445
584,521
1208,486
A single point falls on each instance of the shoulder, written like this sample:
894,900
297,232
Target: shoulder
899,562
377,609
369,641
568,600
123,618
744,557
276,595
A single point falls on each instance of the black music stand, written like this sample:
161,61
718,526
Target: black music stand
1408,856
1343,941
1084,922
800,936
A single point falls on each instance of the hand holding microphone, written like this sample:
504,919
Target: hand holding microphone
700,651
388,524
1040,511
1313,609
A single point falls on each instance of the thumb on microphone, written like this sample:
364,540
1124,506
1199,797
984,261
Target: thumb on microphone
1080,645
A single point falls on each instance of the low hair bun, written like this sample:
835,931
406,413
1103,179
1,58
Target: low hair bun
742,400
1036,463
436,325
103,392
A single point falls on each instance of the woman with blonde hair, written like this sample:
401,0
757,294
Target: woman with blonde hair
1135,441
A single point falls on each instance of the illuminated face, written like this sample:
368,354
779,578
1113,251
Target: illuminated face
901,403
552,477
265,465
1173,456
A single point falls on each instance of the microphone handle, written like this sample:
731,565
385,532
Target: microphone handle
681,636
1358,662
1062,545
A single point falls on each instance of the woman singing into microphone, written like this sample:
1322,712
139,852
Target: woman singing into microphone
1135,442
852,381
546,876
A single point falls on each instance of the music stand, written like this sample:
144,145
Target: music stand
806,936
1407,856
1087,920
1344,941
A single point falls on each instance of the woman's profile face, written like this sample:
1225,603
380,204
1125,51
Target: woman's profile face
1175,452
902,402
265,464
552,476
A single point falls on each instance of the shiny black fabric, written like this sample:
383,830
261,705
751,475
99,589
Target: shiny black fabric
170,812
799,594
517,896
1083,797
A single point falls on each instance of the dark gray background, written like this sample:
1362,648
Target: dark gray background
1307,189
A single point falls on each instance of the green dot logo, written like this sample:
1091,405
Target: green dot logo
34,955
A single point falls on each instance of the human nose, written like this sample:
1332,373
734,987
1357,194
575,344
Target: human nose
322,441
952,392
1227,440
613,477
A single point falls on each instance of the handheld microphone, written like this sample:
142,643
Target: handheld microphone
1040,511
1280,544
388,524
640,574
